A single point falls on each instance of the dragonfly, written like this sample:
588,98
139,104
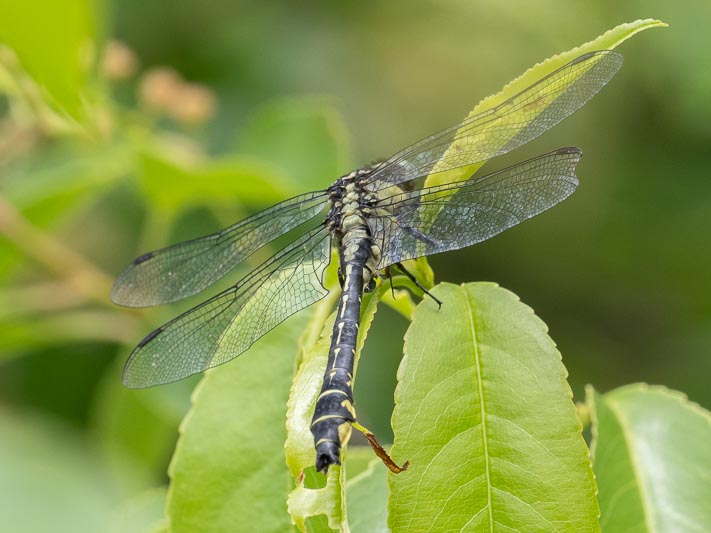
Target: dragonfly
374,218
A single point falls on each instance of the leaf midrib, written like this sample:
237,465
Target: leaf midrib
482,408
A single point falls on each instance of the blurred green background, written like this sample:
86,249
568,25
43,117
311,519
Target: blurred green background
130,125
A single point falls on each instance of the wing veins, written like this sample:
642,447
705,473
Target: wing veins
179,271
552,87
443,213
197,322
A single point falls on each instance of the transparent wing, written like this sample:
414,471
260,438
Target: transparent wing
449,217
226,325
185,269
500,129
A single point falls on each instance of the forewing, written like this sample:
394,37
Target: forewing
500,129
449,217
179,271
226,325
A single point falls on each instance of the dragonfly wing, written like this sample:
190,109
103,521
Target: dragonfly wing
179,271
449,217
226,325
505,127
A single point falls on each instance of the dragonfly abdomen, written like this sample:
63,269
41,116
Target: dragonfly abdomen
334,411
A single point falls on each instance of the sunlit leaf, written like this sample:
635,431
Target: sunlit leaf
652,460
56,44
607,41
484,415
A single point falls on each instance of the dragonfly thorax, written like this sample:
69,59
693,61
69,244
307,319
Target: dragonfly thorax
348,222
349,205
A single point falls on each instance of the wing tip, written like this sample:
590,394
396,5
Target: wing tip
133,380
121,291
124,294
117,294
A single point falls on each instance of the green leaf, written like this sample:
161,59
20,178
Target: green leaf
367,496
359,459
174,186
138,428
652,460
484,415
228,472
304,137
310,501
56,45
607,41
64,172
24,333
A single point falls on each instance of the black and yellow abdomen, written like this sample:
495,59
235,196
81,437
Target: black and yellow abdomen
334,412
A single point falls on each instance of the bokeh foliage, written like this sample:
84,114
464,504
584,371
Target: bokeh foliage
103,155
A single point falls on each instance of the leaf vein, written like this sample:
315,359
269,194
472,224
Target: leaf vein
482,408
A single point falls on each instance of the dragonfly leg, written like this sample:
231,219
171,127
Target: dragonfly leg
417,283
390,279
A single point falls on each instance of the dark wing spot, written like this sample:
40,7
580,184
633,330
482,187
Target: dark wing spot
152,335
143,258
569,150
583,57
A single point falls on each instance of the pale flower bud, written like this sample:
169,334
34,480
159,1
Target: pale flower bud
196,105
159,88
119,62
